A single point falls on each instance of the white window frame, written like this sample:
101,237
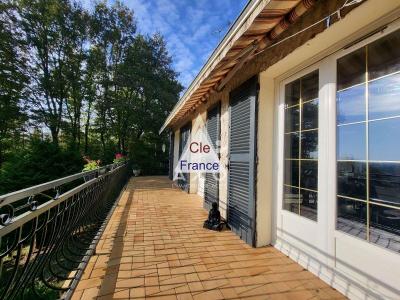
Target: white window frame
335,255
327,164
332,176
281,104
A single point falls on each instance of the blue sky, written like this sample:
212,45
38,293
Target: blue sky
192,28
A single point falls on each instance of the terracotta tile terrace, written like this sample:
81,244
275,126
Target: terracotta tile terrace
154,247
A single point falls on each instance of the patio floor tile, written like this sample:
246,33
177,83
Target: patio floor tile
154,247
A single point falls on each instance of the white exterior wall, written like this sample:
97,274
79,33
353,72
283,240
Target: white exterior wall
176,146
200,185
224,155
356,268
197,181
265,172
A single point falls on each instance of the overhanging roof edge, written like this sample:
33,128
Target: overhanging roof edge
239,22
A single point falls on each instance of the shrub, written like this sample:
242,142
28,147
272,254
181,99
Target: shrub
40,162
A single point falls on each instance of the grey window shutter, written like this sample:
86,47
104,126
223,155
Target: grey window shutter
211,187
241,174
183,140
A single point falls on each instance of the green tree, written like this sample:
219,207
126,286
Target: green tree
13,80
45,23
151,84
113,30
76,71
86,79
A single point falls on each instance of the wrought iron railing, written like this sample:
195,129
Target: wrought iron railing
48,232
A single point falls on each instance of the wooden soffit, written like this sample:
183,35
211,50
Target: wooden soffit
257,19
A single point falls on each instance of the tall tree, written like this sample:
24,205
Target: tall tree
12,76
90,87
76,70
45,23
113,30
151,89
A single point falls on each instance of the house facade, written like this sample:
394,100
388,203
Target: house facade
302,101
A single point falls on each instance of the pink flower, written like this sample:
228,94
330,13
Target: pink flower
118,156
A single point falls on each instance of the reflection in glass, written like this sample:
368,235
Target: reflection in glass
291,199
352,217
309,174
351,69
384,140
304,127
383,55
292,119
308,204
350,105
310,115
292,172
384,97
384,183
309,144
352,179
381,211
351,143
309,86
385,227
292,93
292,145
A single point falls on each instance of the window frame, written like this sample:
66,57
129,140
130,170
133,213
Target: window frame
281,104
326,63
332,61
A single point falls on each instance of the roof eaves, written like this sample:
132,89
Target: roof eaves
241,20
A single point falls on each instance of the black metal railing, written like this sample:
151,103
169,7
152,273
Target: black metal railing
47,235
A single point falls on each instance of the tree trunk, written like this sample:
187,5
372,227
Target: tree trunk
1,154
54,135
87,125
103,143
86,138
123,145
